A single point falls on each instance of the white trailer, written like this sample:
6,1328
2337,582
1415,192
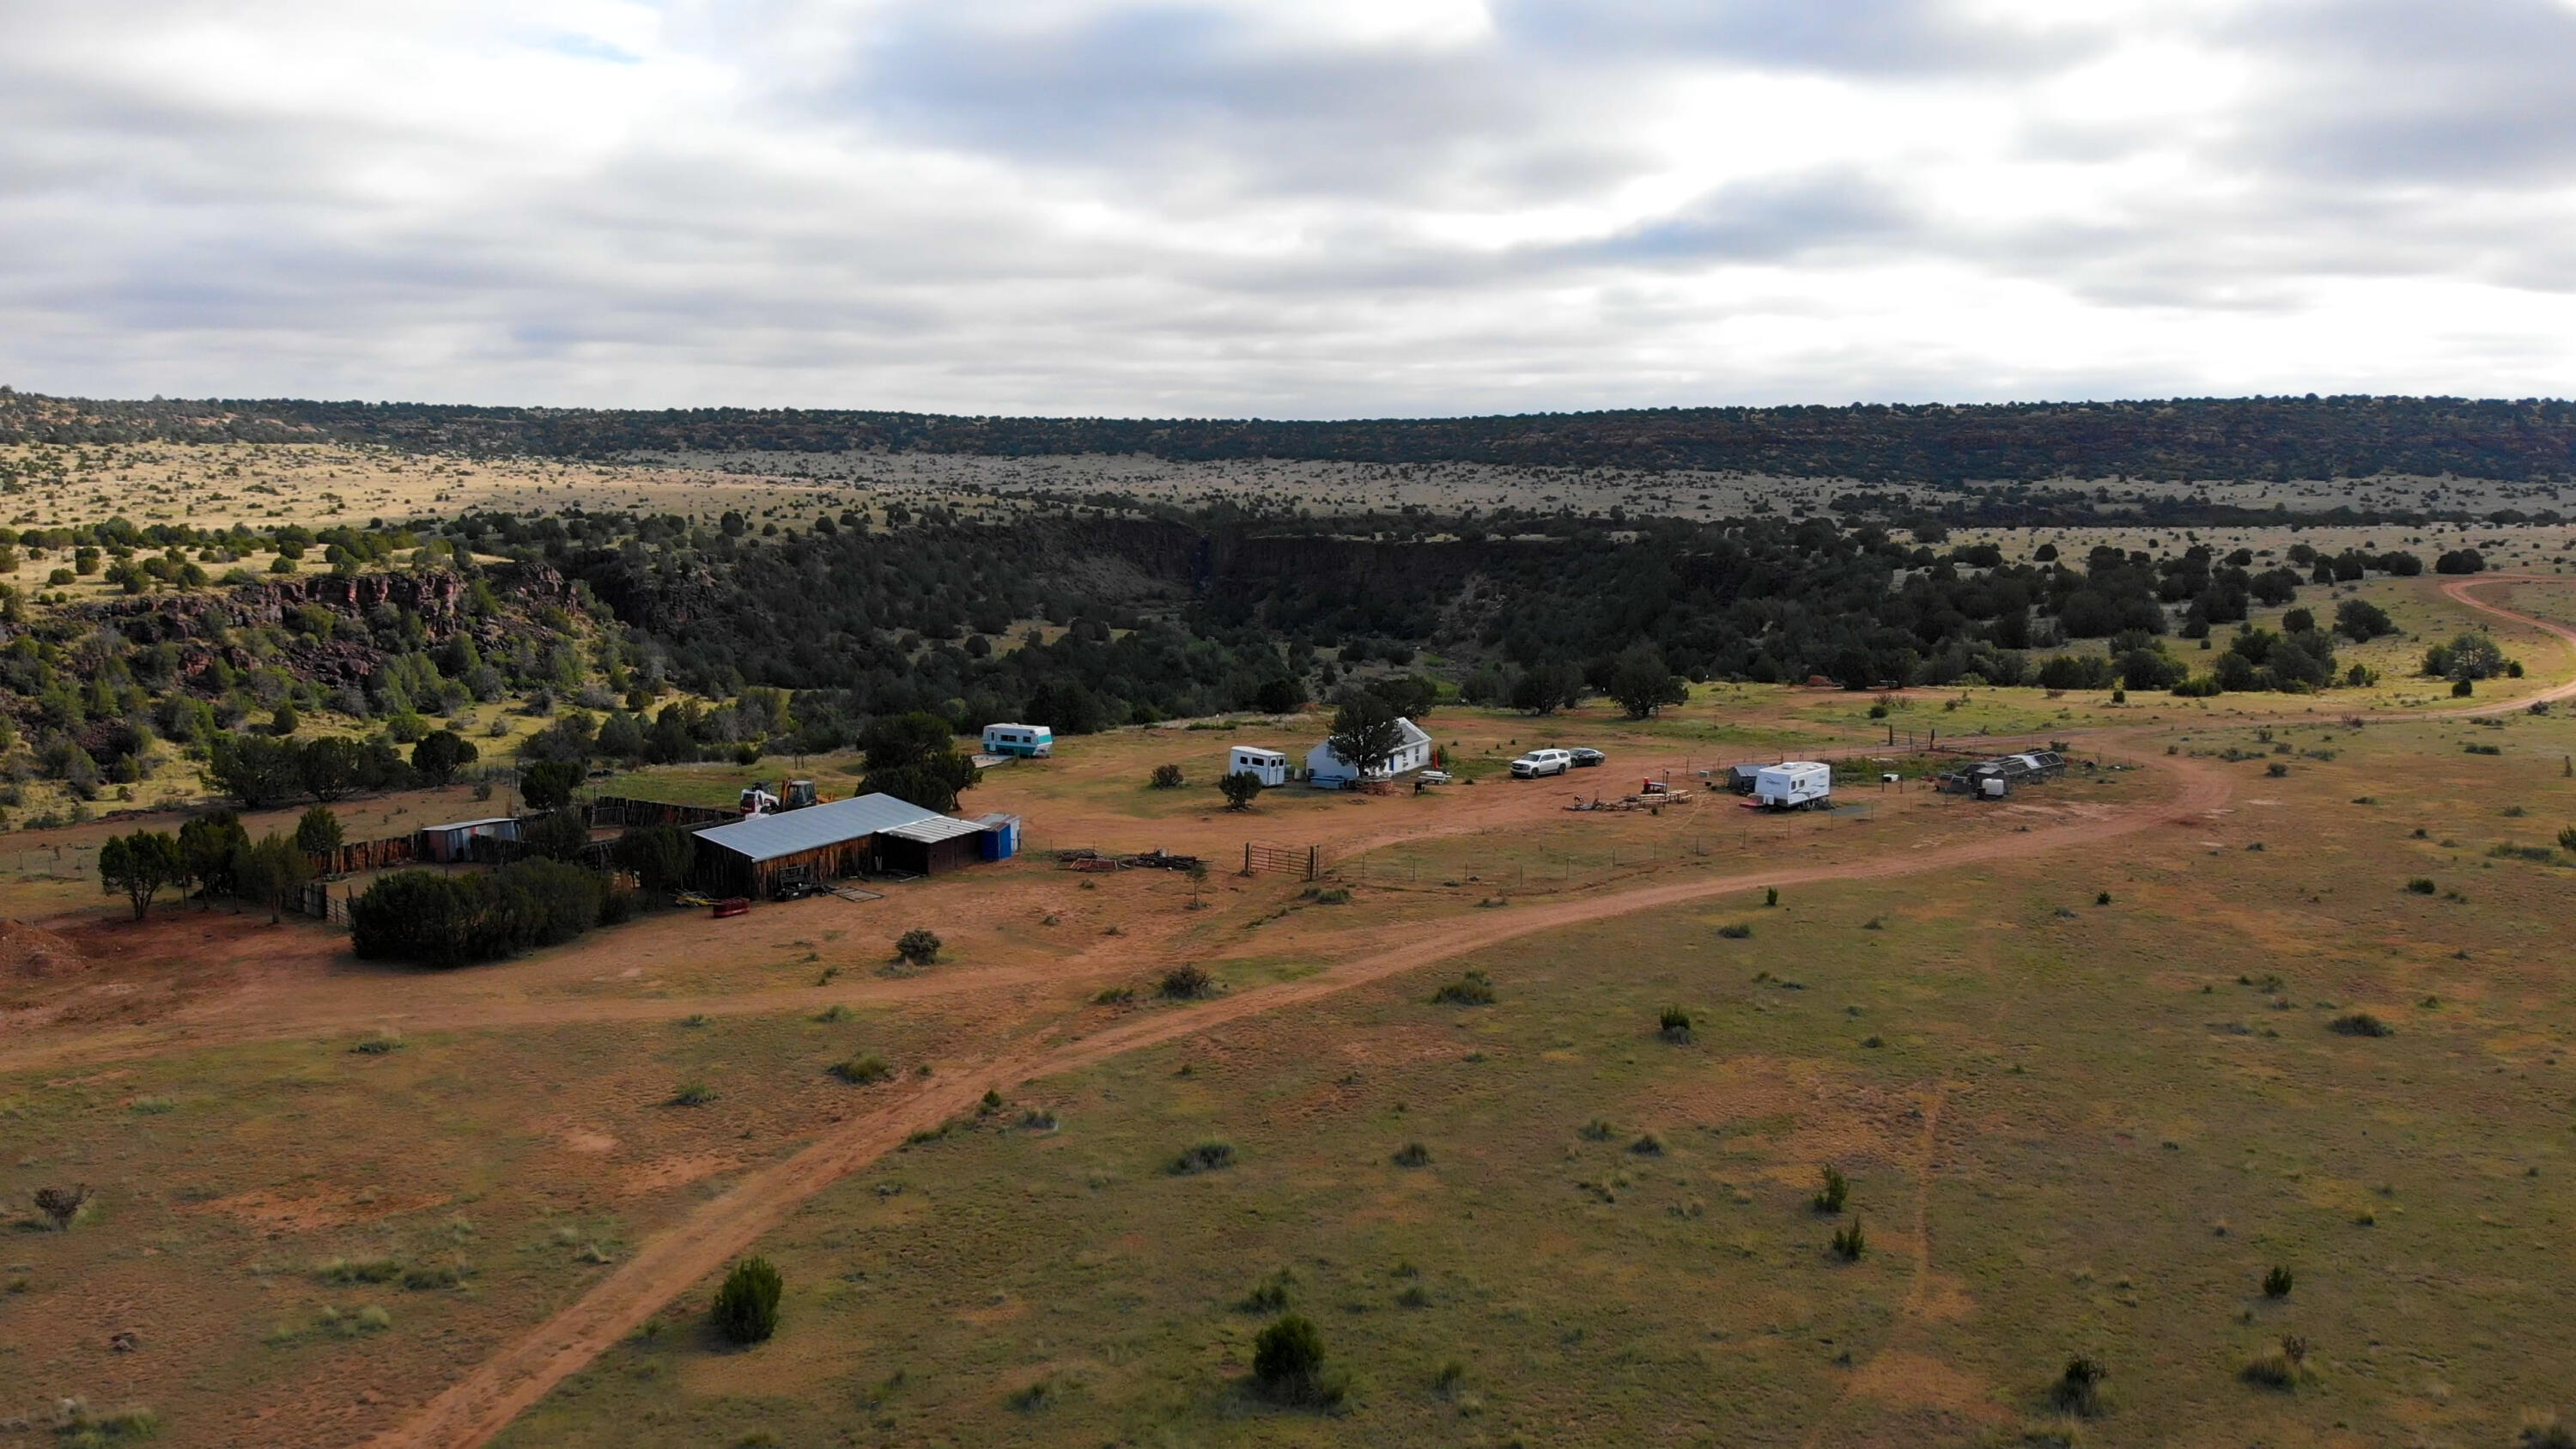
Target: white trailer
1268,766
1794,785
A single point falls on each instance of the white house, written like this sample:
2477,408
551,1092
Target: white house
1328,771
1269,766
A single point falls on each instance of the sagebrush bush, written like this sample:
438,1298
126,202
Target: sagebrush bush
1850,1243
746,1307
2281,1367
1205,1156
863,1070
2359,1023
693,1094
1413,1154
1187,983
2078,1390
2276,1283
1167,777
1675,1024
1736,931
918,946
1473,988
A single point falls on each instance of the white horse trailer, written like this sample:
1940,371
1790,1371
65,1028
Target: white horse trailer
1794,785
1270,767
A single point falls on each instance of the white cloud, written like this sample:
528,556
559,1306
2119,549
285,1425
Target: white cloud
1348,207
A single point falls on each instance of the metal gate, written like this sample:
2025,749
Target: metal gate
1298,860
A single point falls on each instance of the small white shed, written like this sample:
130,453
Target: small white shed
1329,771
1269,766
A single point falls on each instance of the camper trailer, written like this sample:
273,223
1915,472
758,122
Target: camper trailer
1270,767
1027,741
1794,785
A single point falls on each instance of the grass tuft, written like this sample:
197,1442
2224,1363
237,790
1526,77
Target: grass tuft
693,1094
1471,989
863,1070
1208,1156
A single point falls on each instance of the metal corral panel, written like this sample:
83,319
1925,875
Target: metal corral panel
767,837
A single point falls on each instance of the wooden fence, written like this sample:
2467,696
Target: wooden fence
362,855
622,810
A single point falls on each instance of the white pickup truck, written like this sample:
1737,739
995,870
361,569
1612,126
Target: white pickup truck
1542,762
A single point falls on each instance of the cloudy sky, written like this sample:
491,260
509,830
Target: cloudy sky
1301,208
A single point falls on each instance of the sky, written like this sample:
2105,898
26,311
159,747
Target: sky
1327,208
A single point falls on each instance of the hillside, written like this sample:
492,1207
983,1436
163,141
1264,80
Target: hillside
2177,440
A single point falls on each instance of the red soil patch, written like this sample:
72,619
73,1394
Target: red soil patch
34,951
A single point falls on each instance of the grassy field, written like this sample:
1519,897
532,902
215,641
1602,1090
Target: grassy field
2071,1125
2069,1128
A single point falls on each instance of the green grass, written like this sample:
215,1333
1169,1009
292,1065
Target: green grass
2119,1168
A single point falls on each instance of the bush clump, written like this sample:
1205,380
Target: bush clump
1472,989
2359,1023
746,1310
917,947
2283,1366
1167,777
1736,931
2422,886
1288,1363
1837,1190
1206,1156
1187,983
2276,1283
1675,1024
2078,1390
1849,1243
1413,1154
436,919
864,1070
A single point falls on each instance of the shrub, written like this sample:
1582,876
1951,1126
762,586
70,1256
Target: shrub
1598,1130
2102,898
2276,1283
61,1204
2545,1432
1270,1295
1837,1189
917,946
1288,1362
1413,1154
2359,1023
862,1071
1187,982
693,1094
1849,1243
746,1310
1240,789
2078,1390
1675,1024
1206,1156
2282,1367
1770,895
2421,885
2567,838
1167,777
1471,989
446,920
1647,1145
1736,931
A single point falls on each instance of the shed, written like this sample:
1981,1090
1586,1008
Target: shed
1268,766
1001,838
454,841
823,842
929,845
1742,778
1330,771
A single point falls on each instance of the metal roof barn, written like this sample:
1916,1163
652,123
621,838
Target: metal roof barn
792,832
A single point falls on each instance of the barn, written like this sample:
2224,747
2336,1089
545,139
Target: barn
454,841
819,843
